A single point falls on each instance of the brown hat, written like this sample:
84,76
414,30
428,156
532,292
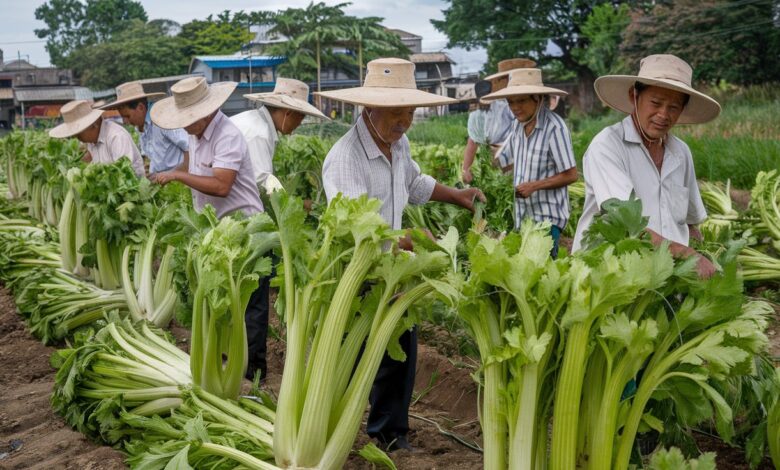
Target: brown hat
661,70
524,82
128,92
288,94
192,99
389,84
506,66
77,116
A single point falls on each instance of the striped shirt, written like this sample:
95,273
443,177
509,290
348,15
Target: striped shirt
163,147
355,166
223,146
543,154
113,143
617,163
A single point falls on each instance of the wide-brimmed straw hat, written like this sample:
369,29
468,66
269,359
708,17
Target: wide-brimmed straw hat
77,116
524,82
130,91
508,65
192,99
288,94
389,84
661,70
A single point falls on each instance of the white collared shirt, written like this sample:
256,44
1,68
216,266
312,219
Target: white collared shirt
355,166
260,133
113,143
617,163
223,146
163,147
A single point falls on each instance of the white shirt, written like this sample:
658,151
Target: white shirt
498,122
113,143
355,166
222,146
260,133
617,163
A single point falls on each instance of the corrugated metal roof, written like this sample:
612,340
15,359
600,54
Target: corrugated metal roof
63,93
238,61
6,93
430,57
172,78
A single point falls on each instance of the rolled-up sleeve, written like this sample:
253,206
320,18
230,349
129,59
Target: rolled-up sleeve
341,175
228,154
605,173
697,213
420,185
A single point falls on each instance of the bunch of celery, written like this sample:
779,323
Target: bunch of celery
765,201
225,267
773,426
339,288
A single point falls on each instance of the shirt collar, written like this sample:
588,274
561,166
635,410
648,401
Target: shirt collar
266,116
671,150
103,134
372,150
211,128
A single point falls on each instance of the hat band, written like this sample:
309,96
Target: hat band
664,76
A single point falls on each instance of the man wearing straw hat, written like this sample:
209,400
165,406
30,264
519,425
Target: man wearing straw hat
498,119
282,111
106,141
538,151
374,158
165,148
639,155
218,171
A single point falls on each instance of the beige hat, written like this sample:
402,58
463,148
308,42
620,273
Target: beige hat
192,99
506,66
77,116
665,71
128,92
288,94
524,82
389,84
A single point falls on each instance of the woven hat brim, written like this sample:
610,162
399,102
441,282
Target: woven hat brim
380,97
523,90
168,115
286,102
612,90
118,103
70,129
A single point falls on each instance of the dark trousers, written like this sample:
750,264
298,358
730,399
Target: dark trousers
391,393
555,233
256,319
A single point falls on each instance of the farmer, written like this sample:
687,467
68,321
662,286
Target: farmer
639,154
282,110
165,148
374,158
538,151
498,119
106,141
219,172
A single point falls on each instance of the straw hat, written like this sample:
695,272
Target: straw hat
524,82
389,84
192,99
128,92
665,71
77,116
506,66
288,94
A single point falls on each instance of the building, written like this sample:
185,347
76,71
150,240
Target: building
412,41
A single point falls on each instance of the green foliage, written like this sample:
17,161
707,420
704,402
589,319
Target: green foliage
72,24
721,39
223,34
673,459
603,29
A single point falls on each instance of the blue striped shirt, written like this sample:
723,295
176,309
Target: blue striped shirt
163,147
545,153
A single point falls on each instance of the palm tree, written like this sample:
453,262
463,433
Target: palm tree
372,40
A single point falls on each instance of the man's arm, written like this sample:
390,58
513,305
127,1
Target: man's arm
218,185
558,180
468,160
460,197
704,267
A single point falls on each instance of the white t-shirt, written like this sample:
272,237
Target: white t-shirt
260,134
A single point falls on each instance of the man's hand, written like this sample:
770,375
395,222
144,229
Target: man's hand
704,267
525,190
465,197
467,176
163,178
695,233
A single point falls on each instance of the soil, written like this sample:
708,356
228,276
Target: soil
32,436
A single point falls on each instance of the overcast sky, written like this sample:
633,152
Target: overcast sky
17,36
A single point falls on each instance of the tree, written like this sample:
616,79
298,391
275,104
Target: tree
141,50
603,29
512,29
224,34
371,40
71,24
732,40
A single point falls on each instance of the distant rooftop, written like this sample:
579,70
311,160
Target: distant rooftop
430,57
405,34
237,61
